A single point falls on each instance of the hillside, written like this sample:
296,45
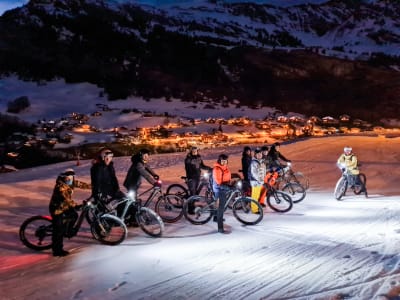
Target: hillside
331,58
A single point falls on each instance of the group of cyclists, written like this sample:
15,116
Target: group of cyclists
257,165
104,184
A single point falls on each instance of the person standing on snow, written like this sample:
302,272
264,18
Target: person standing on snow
257,173
63,209
221,182
193,166
102,173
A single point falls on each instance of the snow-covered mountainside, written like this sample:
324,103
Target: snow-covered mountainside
289,57
352,29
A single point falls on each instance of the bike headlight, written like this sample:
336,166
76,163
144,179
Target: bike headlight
239,184
132,194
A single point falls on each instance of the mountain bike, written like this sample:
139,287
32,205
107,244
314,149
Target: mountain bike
204,187
205,208
276,199
168,207
287,175
357,183
130,209
36,232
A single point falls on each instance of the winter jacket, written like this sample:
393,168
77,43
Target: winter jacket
221,175
246,161
221,179
193,166
257,172
273,157
136,172
61,199
350,162
104,180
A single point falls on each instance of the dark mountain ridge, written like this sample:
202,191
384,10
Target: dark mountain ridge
132,50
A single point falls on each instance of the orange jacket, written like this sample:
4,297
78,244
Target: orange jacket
221,174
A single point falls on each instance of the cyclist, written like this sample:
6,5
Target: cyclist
246,160
103,178
348,160
221,182
62,209
274,157
257,173
193,166
138,170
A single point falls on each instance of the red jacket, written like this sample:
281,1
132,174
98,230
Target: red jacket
221,174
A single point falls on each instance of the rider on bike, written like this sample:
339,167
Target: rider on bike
103,178
257,173
193,166
62,209
348,160
139,170
274,157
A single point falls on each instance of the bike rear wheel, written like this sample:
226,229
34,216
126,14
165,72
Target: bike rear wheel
109,230
296,191
340,188
36,233
359,188
201,209
301,179
179,190
242,211
150,222
170,208
279,201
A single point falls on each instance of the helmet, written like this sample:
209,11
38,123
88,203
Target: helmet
68,172
347,149
194,148
222,157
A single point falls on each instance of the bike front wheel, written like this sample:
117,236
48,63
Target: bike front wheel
242,211
150,222
109,230
279,201
296,191
169,208
36,232
340,188
198,210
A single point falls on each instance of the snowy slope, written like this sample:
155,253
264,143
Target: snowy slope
322,249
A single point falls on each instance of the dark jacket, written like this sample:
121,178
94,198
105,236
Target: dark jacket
61,199
273,158
193,166
246,161
136,172
104,180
